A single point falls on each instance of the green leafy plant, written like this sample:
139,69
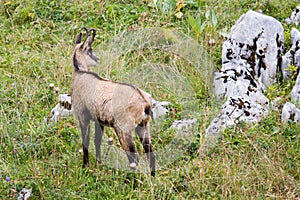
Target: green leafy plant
293,71
198,26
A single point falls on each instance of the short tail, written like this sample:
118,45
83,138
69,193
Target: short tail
148,111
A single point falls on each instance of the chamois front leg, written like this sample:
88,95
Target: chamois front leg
143,131
85,134
99,130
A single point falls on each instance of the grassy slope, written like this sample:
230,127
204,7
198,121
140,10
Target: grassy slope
251,161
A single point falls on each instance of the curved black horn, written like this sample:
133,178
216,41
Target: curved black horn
86,33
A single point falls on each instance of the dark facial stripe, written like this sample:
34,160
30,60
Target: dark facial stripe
75,62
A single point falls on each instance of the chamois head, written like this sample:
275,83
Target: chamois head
83,56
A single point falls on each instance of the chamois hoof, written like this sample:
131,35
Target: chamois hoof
85,165
99,162
153,173
133,166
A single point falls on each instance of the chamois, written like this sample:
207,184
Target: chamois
124,107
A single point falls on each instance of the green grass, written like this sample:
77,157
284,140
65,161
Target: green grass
251,161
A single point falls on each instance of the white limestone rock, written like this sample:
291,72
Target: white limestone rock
235,109
250,59
290,112
295,94
62,109
159,108
239,81
183,124
256,42
292,57
295,17
24,194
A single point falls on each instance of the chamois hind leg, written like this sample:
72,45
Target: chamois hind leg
85,134
143,131
128,146
99,130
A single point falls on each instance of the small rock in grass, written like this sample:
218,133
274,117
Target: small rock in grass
24,194
180,124
51,85
295,17
290,112
57,90
110,141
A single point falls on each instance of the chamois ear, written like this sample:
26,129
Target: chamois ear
79,37
90,38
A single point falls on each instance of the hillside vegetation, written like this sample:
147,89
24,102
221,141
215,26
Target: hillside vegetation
250,161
